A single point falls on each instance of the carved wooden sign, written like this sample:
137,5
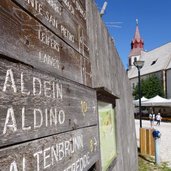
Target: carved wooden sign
35,105
25,39
75,150
65,18
46,121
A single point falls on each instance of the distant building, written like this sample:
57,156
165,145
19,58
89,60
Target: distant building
157,61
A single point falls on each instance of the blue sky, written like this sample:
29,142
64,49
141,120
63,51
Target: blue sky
154,18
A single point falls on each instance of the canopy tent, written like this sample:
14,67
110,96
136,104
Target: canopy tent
157,101
136,102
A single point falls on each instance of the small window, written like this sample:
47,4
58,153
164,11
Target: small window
135,59
154,62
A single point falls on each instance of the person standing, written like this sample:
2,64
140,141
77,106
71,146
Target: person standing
152,118
158,118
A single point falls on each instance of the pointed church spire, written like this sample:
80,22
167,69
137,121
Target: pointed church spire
137,36
137,42
137,45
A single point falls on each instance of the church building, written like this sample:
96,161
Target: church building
156,62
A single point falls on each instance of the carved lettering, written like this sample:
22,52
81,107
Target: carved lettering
80,164
13,166
38,124
49,41
46,156
80,10
49,60
51,19
37,86
67,34
49,117
10,121
49,89
37,155
23,91
69,6
36,5
54,5
24,128
9,81
57,152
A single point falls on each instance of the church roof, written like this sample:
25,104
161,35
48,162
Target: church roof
155,60
135,52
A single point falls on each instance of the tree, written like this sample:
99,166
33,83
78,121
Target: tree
150,87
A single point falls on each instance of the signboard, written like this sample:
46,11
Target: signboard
25,39
48,119
65,19
75,150
35,105
107,134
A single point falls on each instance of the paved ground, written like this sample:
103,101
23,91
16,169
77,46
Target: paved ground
165,141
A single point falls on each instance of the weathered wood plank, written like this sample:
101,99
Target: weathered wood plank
77,8
25,39
75,150
64,19
35,105
87,77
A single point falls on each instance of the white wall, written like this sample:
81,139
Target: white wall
168,73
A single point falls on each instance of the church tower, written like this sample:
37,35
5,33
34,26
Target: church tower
137,45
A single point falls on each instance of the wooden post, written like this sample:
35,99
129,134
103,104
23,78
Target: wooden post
146,141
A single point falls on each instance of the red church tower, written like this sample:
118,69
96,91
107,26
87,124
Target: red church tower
137,45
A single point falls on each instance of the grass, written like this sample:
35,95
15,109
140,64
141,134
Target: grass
147,163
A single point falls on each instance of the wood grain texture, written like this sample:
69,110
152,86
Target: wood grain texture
77,149
35,105
25,39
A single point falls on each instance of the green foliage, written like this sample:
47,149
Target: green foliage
150,87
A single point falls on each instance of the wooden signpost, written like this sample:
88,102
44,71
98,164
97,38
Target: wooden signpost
25,39
48,112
